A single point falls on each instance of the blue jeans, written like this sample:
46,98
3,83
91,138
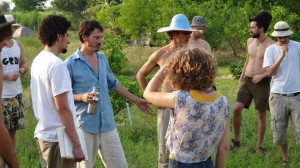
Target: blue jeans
205,164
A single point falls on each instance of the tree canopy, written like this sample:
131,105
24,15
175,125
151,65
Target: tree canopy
29,5
4,6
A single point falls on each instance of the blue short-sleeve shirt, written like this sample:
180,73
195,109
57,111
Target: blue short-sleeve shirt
83,79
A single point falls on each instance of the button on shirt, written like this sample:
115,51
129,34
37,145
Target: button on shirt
83,79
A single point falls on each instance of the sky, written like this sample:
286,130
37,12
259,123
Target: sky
12,5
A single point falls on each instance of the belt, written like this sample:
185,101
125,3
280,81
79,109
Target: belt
289,95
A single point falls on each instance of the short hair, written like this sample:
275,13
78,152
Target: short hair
5,32
191,68
87,27
52,26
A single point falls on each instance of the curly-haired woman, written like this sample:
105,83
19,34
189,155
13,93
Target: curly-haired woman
199,124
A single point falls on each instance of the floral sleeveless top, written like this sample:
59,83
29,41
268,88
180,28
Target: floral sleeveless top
196,125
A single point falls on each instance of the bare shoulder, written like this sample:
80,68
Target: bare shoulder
270,41
157,54
250,40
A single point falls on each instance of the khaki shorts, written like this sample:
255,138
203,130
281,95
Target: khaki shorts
13,112
259,92
282,109
50,155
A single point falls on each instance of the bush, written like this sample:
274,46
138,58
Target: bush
237,68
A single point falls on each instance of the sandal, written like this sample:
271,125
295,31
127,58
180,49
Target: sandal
285,163
234,144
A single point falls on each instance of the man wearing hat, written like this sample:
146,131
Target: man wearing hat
6,148
282,61
179,33
196,41
254,82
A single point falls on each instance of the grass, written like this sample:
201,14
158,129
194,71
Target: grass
140,140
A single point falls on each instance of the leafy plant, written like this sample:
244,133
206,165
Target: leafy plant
237,68
113,49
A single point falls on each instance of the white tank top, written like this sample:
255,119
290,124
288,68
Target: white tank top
10,58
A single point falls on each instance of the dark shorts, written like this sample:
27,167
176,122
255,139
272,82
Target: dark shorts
259,92
13,112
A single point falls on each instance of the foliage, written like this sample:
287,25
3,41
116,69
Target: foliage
118,102
4,6
113,49
30,19
73,7
29,5
236,68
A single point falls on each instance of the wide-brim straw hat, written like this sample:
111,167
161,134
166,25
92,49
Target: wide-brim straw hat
281,29
4,22
179,23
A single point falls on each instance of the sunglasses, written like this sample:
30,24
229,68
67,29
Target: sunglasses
284,37
186,32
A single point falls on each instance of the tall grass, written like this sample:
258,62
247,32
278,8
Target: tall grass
139,140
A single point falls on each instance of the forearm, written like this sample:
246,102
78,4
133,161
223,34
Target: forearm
78,97
120,90
273,69
6,147
142,81
221,155
66,118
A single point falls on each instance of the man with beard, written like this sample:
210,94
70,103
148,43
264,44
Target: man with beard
7,152
179,33
282,62
196,40
52,97
254,82
88,68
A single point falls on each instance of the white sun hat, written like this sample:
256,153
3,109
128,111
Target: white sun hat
10,18
179,23
281,29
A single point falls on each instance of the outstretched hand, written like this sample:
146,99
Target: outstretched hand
143,105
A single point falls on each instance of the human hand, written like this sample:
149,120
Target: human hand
88,98
78,153
284,49
256,79
11,77
143,105
23,69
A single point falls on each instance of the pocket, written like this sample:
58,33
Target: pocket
273,124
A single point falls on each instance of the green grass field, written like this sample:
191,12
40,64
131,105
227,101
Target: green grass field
139,140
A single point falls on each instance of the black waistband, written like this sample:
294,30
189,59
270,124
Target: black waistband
290,95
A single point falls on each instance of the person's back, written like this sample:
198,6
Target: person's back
197,125
179,33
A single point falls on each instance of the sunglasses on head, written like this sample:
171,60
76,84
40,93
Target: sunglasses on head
284,37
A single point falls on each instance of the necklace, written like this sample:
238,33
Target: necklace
257,42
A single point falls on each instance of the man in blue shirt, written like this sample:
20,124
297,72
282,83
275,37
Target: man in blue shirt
89,67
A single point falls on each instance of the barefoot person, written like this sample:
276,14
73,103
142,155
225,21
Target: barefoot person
254,82
179,33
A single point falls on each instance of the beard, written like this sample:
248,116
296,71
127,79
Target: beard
64,51
255,35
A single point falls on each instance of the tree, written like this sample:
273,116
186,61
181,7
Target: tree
29,5
75,7
4,6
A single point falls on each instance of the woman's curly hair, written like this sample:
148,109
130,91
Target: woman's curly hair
191,68
51,26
